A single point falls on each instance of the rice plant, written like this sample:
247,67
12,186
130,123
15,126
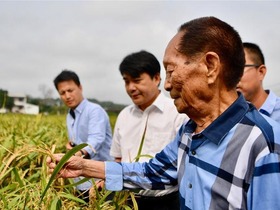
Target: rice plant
25,143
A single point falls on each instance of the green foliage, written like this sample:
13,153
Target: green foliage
5,100
59,166
55,106
25,143
113,118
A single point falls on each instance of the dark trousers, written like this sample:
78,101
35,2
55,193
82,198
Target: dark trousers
166,202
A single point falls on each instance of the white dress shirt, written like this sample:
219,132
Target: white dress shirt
163,121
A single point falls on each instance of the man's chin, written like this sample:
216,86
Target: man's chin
136,101
239,90
178,105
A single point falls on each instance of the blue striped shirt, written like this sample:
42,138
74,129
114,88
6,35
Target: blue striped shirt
232,164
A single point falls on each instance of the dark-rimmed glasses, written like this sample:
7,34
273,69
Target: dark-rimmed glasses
251,65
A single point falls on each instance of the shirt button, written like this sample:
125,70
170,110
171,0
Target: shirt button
193,152
190,185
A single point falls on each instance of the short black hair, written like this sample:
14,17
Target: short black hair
255,52
140,62
66,75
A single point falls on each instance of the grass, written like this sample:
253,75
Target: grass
25,142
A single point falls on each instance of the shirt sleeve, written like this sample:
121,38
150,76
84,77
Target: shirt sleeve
264,191
96,132
114,176
159,173
115,150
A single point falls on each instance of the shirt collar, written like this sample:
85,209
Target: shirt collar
81,106
269,103
158,103
219,128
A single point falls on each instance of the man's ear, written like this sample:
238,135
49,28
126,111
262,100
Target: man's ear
262,72
212,62
157,78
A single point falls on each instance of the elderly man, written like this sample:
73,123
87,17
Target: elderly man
227,155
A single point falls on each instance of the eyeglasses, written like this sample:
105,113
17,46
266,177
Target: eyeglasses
251,65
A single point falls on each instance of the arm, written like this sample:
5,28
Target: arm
96,133
159,173
77,166
101,183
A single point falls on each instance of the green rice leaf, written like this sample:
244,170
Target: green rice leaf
56,204
75,183
72,197
18,179
61,163
135,205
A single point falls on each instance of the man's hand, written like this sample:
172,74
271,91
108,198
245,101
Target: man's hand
77,166
71,169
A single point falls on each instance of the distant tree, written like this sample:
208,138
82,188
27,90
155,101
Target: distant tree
45,101
109,106
5,100
46,92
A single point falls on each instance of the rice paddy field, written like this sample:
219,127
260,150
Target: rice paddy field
25,143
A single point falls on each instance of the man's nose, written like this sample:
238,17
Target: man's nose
131,86
167,84
67,95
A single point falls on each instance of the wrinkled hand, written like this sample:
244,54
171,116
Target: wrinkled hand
71,169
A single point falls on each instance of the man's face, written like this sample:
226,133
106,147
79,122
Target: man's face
70,93
185,79
251,81
142,90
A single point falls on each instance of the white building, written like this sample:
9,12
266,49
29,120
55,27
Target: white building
21,105
3,110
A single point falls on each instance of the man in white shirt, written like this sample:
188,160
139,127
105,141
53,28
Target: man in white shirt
147,126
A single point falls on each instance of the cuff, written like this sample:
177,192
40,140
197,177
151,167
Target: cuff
114,176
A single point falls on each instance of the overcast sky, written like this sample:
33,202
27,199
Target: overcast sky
40,38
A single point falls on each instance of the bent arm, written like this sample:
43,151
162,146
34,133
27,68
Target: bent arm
159,173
